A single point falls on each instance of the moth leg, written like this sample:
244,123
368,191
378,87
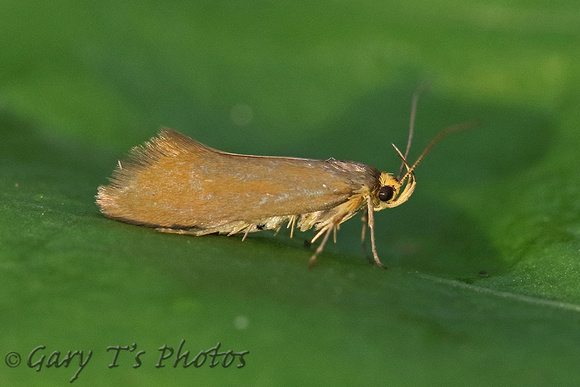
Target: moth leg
363,236
238,228
292,224
371,224
364,229
246,233
321,246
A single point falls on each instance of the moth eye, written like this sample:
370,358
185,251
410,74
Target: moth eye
386,193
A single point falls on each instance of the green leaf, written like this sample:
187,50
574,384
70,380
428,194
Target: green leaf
484,259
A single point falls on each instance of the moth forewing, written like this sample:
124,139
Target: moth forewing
176,182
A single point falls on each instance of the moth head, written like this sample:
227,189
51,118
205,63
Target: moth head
390,194
394,191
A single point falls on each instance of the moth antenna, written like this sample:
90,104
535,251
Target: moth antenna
414,104
401,182
411,130
403,158
444,133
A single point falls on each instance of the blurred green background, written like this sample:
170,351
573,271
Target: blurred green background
83,82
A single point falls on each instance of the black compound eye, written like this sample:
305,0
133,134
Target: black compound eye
386,193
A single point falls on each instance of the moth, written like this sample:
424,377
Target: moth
178,185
